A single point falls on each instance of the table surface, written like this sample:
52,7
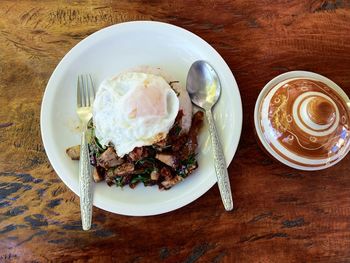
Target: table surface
281,214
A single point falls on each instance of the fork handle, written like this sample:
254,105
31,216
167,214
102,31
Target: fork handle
85,182
220,164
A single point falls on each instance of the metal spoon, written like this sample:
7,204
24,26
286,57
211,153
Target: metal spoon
203,86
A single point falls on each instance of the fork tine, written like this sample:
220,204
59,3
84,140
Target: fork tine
87,85
92,88
78,92
84,91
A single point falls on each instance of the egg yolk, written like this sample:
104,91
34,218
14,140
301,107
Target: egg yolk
145,101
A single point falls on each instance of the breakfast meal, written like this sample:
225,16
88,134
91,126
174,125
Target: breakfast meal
143,130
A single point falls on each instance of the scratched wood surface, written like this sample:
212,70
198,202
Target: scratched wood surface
281,215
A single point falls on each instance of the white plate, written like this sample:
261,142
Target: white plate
108,52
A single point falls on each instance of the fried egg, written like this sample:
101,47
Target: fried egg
134,109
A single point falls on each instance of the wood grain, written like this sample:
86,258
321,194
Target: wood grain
281,215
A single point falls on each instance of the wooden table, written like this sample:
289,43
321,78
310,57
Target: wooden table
281,215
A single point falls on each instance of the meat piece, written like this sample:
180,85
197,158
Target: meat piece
179,143
192,143
168,159
132,186
166,173
109,181
154,175
172,136
176,129
109,177
127,179
139,153
171,182
120,181
161,145
124,169
197,123
192,167
109,158
98,174
74,152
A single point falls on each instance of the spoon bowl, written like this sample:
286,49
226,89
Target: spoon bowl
203,85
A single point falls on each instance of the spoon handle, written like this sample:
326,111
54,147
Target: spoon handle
220,164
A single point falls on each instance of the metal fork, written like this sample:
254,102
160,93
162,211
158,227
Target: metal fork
85,98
